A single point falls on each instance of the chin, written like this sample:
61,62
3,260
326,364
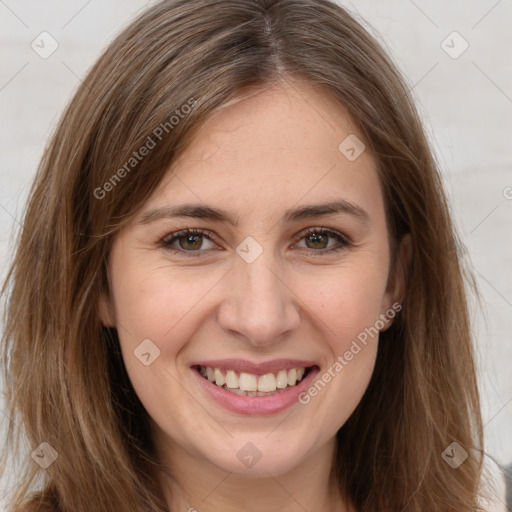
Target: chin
258,455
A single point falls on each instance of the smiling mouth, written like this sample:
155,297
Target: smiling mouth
249,384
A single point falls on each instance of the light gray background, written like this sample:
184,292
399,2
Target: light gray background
466,104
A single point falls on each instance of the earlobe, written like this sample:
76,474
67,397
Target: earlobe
402,267
105,310
395,292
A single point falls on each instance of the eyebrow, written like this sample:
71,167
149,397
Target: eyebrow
200,211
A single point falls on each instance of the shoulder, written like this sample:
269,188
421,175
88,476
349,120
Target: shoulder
493,487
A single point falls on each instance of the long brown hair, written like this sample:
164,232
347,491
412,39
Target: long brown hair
64,376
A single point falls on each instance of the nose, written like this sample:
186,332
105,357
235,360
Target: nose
260,305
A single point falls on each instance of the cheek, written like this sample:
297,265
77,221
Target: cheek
157,302
346,304
347,301
158,305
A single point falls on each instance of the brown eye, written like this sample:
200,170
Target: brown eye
192,242
317,241
188,241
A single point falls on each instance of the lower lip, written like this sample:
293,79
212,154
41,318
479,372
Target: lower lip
256,405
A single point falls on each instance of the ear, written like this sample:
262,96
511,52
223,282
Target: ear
106,310
395,289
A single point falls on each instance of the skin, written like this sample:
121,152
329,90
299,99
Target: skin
276,149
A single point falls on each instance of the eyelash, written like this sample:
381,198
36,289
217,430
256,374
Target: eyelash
166,242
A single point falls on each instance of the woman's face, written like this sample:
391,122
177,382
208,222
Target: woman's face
254,294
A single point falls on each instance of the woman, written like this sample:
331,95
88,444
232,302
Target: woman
244,287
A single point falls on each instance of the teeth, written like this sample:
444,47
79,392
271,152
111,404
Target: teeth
267,383
220,380
231,379
282,379
210,374
248,384
238,392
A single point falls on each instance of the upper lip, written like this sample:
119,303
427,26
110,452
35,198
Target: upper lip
242,365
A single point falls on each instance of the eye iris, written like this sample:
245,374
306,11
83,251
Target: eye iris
192,239
317,238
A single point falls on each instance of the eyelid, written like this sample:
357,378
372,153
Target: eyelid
171,237
343,240
323,230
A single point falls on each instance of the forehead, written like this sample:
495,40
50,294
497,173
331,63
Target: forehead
274,146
